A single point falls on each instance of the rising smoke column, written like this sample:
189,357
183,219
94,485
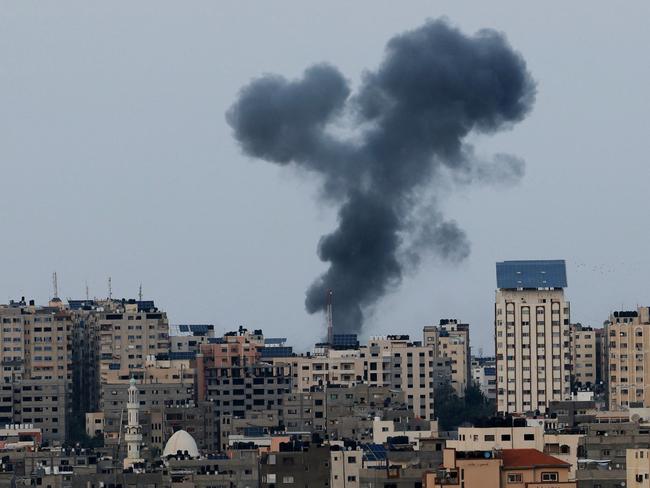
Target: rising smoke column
409,120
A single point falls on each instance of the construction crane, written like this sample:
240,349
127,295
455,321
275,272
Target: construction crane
329,318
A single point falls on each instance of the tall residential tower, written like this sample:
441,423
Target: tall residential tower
532,335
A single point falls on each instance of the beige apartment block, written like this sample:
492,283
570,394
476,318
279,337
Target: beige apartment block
37,371
490,438
510,468
627,335
532,336
382,430
450,339
637,462
396,362
335,367
393,361
129,337
157,371
561,446
345,468
583,345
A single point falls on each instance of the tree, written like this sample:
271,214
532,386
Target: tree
453,411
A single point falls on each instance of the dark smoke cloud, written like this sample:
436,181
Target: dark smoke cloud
411,117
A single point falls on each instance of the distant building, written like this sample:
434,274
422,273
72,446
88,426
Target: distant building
628,342
533,352
484,375
186,339
296,464
638,468
396,362
392,361
36,378
503,469
450,339
231,374
585,357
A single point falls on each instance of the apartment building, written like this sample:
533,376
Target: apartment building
563,446
230,373
330,367
396,362
484,375
628,340
393,361
130,333
36,358
341,412
584,356
450,339
85,357
186,339
512,468
296,464
638,468
532,335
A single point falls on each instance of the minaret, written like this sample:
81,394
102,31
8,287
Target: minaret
133,433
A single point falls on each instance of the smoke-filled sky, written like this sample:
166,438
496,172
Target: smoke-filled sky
117,159
401,142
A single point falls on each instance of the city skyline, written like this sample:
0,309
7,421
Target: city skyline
412,329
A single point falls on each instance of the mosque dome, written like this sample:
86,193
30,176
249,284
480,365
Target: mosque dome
181,441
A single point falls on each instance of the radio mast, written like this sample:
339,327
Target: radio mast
329,318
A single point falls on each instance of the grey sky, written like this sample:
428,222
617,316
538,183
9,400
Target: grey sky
117,160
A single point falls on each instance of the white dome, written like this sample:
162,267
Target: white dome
181,441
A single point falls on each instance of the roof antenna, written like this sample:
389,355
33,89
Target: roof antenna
329,318
87,292
110,288
140,292
55,285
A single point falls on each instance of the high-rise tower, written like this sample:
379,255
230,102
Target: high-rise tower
532,335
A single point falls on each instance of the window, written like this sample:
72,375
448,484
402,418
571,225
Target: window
529,437
550,476
514,478
505,437
287,479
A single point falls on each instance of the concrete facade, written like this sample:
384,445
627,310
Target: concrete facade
532,349
36,382
450,339
628,340
585,357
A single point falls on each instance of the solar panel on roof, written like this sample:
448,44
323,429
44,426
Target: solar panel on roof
531,274
183,328
202,328
276,352
275,340
182,355
374,452
342,340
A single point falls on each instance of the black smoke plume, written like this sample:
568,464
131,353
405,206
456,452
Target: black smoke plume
407,125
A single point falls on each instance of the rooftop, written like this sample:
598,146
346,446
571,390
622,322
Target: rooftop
531,274
528,458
